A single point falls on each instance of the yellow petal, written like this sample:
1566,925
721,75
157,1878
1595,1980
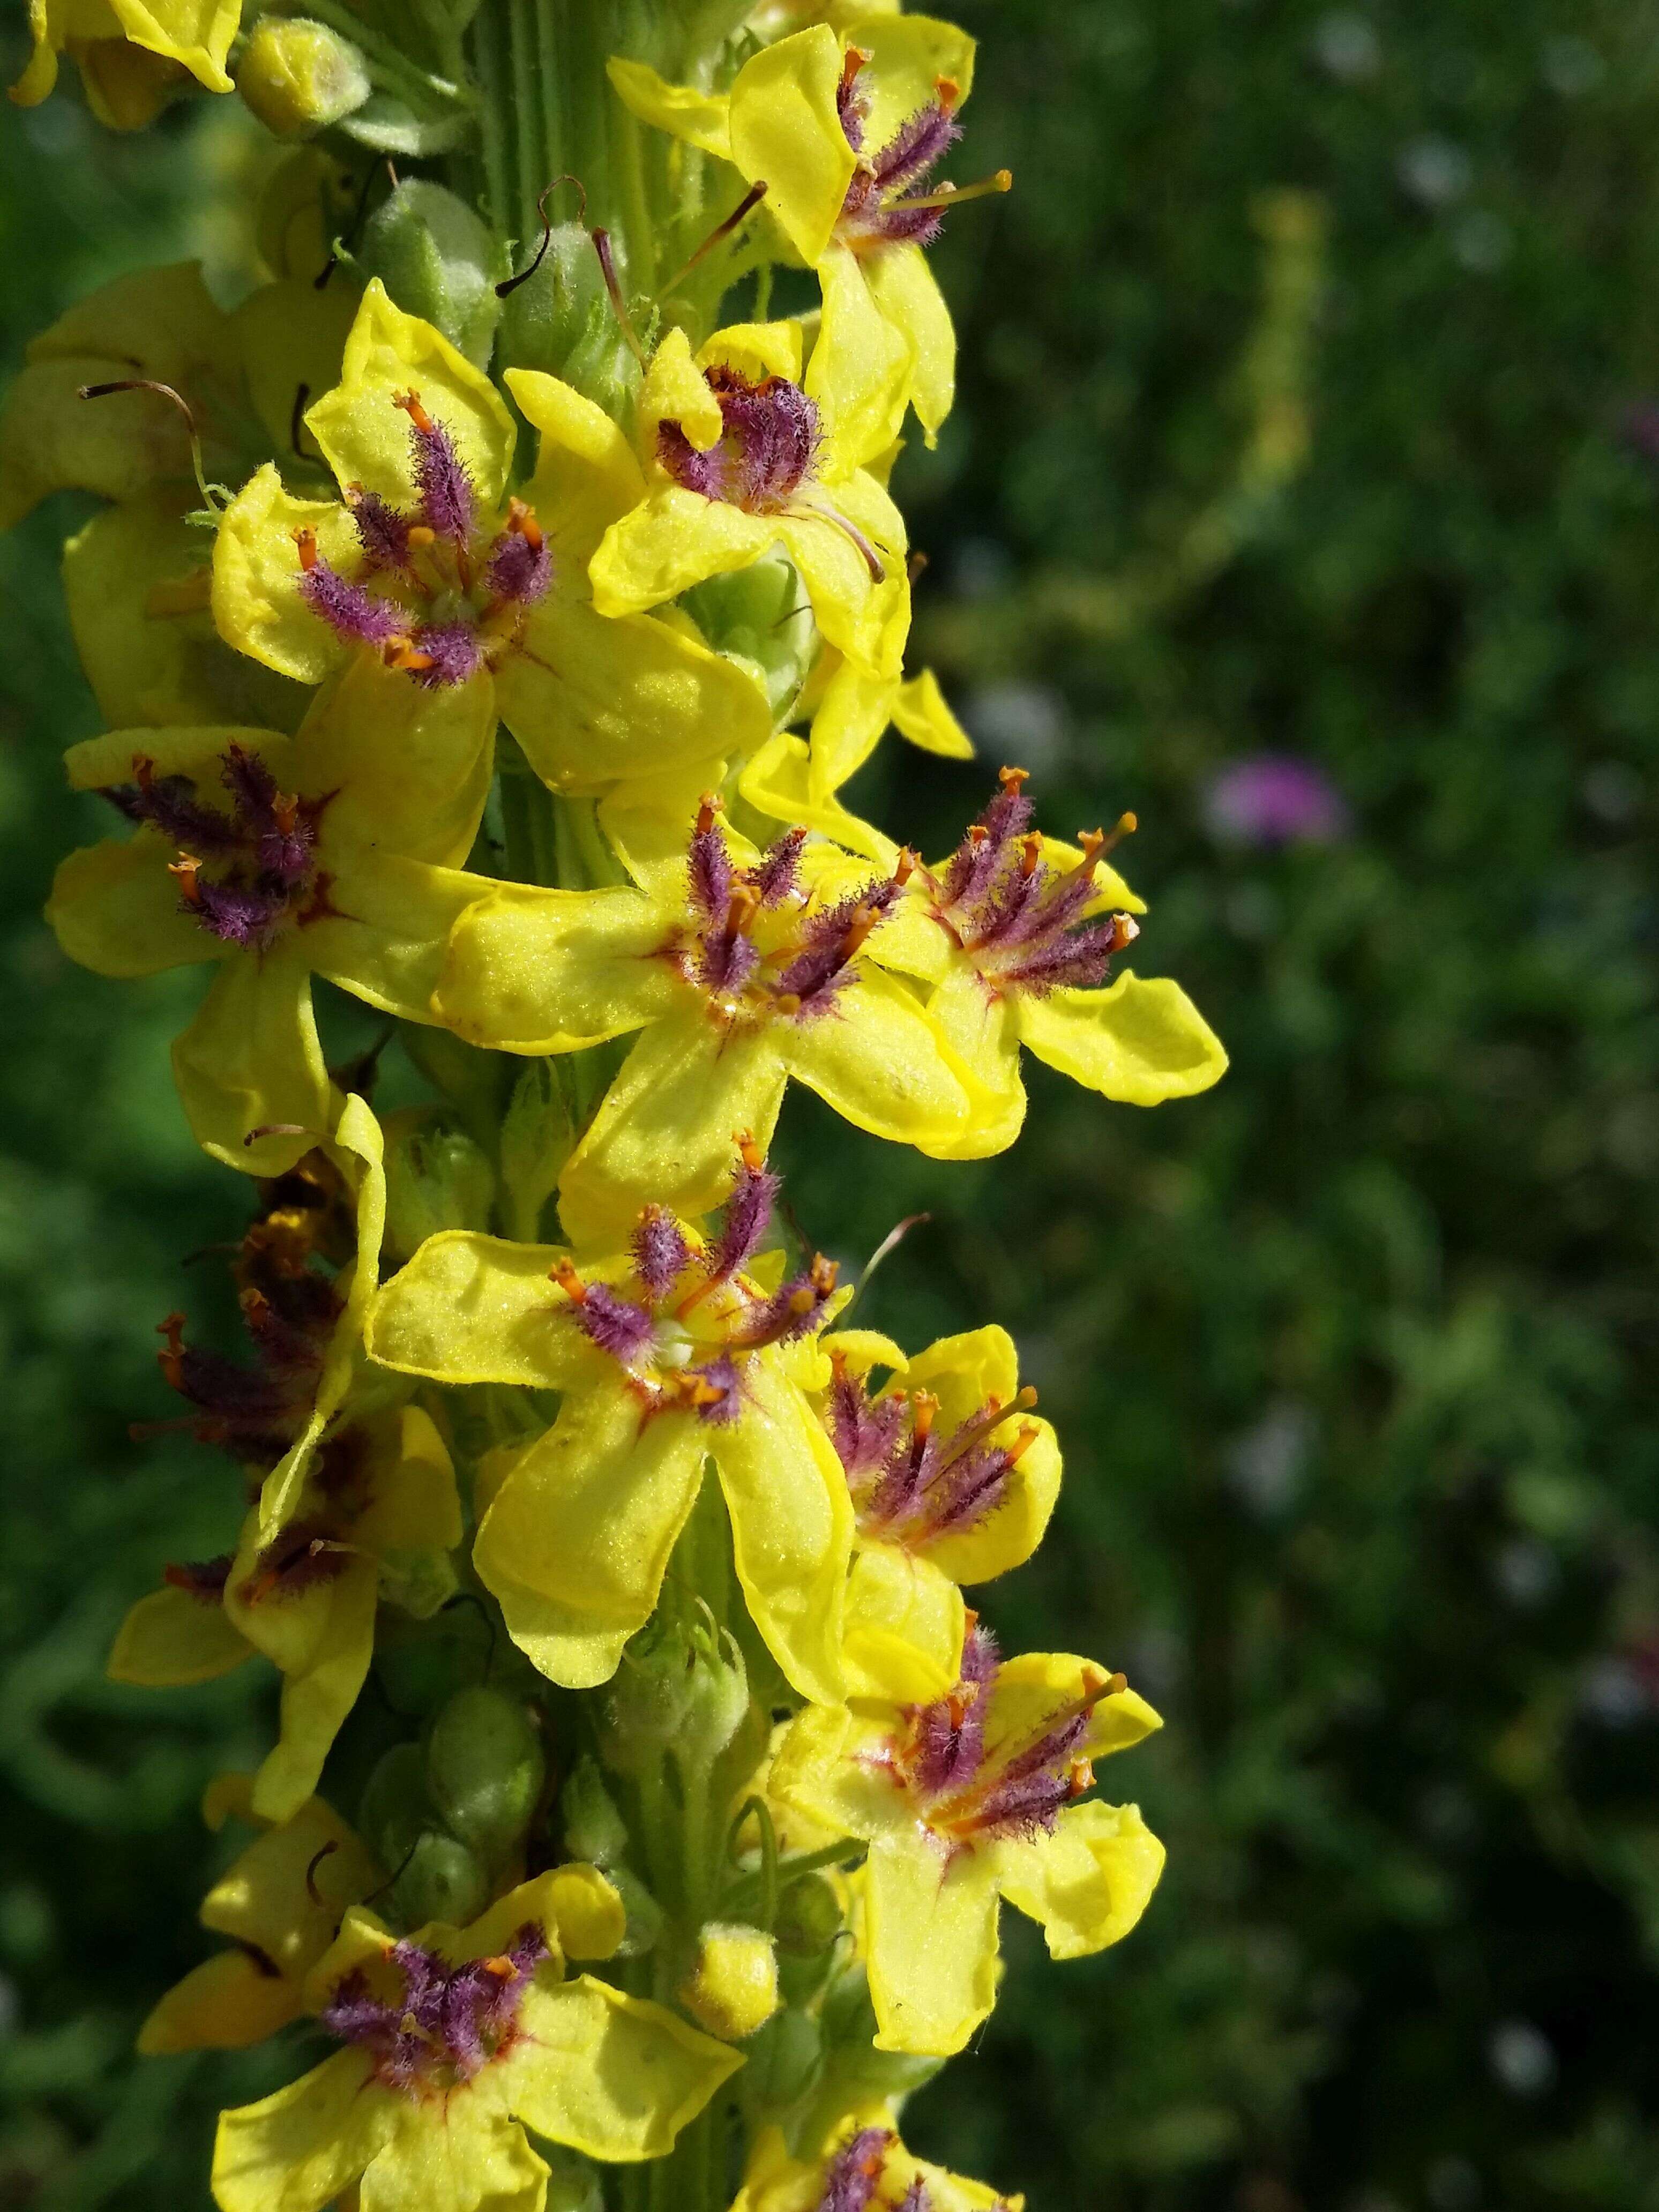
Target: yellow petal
292,339
777,782
575,1545
859,374
614,2076
586,472
387,944
595,702
827,1767
195,33
125,88
792,1526
458,2155
756,350
264,1897
295,2151
921,715
1007,1537
414,1505
115,909
228,2003
365,437
672,540
251,1058
908,56
700,118
1034,1685
786,128
931,1932
879,1061
907,295
667,1127
1089,1881
867,618
257,602
904,1628
863,1349
982,1032
469,1308
532,971
674,390
408,767
317,1697
170,1638
1140,1041
855,709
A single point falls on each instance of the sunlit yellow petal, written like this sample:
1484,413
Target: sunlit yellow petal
171,1637
296,2150
317,1695
1140,1041
904,1627
614,2076
700,118
879,1061
471,1308
932,1934
228,2003
252,1058
785,129
195,33
532,971
672,540
860,373
907,295
586,472
1089,1881
115,909
388,941
257,602
408,767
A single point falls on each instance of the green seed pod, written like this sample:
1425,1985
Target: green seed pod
438,261
395,1807
762,614
808,1916
784,2061
437,1178
298,76
442,1880
593,1829
561,319
485,1768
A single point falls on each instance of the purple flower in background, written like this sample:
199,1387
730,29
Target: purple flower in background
1638,429
1271,798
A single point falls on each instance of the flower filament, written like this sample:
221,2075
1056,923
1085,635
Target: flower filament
912,1483
882,206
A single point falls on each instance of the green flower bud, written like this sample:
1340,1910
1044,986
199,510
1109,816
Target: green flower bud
561,319
732,1987
442,1881
395,1807
808,1916
437,1178
298,76
484,1769
855,2069
784,2061
594,1831
572,2185
537,1136
438,261
762,615
645,1917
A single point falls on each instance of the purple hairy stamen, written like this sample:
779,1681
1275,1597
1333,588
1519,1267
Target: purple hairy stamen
779,871
382,533
767,449
446,492
352,612
874,211
748,1217
612,1324
442,654
520,568
449,2021
854,2175
661,1254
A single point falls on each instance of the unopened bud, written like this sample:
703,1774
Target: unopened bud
537,1138
395,1808
645,1917
809,1916
560,319
855,2069
761,614
593,1829
437,1178
732,1989
441,1879
438,261
783,2062
572,2185
679,1691
484,1769
298,76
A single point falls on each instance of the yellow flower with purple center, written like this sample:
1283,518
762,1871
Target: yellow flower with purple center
863,2167
845,130
952,1479
740,972
741,449
668,1355
453,2043
964,1800
280,1903
428,563
332,852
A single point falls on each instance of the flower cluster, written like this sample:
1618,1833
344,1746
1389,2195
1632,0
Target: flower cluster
494,649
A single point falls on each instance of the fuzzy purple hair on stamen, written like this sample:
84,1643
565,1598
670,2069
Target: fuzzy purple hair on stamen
446,490
720,1374
351,611
780,869
170,804
748,1217
767,448
661,1251
382,533
200,1578
518,571
613,1325
853,107
855,2173
864,1430
916,147
727,960
447,2021
708,872
454,653
243,914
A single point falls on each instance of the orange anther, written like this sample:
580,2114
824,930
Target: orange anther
1125,930
1080,1777
977,833
186,867
1030,852
144,771
1022,1444
404,652
421,535
854,59
863,919
1013,779
521,518
949,92
787,1002
695,1389
709,806
503,1969
924,1411
824,1274
307,542
564,1275
285,813
905,866
410,401
1090,842
749,1153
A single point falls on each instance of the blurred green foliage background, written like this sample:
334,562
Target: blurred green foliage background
1301,413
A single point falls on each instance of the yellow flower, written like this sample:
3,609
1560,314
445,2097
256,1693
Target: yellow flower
1015,933
425,563
850,711
846,129
131,53
337,854
953,1482
280,1903
665,1355
353,1496
865,2165
741,451
968,1800
455,2042
739,973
